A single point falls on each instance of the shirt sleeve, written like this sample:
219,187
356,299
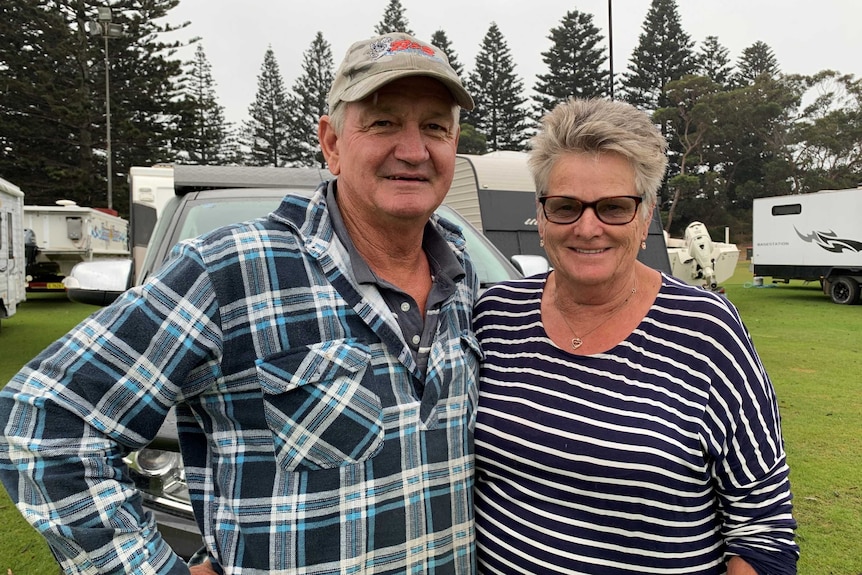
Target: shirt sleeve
749,462
101,391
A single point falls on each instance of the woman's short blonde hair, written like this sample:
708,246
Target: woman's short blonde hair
594,126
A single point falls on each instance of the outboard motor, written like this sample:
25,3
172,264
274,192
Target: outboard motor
699,246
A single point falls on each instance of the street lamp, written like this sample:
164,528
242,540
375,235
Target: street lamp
107,30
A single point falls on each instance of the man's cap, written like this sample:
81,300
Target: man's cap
373,63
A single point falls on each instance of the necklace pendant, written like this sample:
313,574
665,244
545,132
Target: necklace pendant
577,342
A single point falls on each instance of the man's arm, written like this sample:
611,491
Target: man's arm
72,414
735,566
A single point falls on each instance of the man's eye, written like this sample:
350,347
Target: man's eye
438,128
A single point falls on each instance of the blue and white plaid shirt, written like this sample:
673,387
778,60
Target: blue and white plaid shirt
307,449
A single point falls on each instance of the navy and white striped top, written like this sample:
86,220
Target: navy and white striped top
662,455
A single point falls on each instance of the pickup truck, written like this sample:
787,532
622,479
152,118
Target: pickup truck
157,470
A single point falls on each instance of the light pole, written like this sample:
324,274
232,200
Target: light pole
611,43
107,29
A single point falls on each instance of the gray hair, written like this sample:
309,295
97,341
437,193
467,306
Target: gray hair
595,126
336,117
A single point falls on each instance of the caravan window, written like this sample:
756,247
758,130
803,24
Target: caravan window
787,210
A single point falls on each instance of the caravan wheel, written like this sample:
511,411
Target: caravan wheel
844,290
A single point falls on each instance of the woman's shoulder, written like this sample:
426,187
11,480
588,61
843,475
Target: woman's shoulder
681,298
517,290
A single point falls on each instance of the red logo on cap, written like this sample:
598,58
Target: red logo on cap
399,45
389,46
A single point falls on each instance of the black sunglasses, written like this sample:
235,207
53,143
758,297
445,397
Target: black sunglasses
614,211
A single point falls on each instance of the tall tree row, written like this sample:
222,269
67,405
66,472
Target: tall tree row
53,98
737,127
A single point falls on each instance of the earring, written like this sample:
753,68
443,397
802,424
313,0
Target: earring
541,242
643,245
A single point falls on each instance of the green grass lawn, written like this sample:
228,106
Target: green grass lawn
811,347
812,350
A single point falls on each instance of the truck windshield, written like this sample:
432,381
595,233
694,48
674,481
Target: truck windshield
491,266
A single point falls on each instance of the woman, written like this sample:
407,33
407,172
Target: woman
625,424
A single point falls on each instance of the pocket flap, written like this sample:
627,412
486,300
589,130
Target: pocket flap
326,360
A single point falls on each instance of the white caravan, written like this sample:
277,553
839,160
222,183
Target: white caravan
66,234
12,257
811,237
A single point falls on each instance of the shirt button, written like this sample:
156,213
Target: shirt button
416,340
405,306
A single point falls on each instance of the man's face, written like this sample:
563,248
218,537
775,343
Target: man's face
395,156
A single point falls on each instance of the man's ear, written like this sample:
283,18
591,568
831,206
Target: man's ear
328,144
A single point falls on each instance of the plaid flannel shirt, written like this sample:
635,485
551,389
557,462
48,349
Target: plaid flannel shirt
307,449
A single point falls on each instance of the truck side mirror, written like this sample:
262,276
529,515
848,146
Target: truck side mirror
530,265
98,282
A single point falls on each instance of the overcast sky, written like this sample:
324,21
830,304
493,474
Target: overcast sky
806,35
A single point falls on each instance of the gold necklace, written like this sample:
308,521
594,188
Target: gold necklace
578,341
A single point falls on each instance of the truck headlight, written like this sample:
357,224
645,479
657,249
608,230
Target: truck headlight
161,477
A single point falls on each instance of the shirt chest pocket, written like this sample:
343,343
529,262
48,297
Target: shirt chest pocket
319,412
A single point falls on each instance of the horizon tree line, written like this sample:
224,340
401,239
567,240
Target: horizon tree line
736,130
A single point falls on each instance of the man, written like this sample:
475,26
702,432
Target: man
321,362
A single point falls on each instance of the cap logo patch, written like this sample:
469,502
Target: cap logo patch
389,47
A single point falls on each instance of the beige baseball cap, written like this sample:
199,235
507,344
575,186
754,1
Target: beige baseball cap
373,63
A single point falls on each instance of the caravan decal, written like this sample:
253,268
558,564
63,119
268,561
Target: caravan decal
830,242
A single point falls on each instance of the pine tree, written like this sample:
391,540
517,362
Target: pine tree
756,60
575,63
440,40
713,62
266,132
308,102
498,94
394,20
205,136
52,103
664,53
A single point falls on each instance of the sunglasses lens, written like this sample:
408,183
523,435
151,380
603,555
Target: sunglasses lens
619,210
562,210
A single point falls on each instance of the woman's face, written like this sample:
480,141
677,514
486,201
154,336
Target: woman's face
588,252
